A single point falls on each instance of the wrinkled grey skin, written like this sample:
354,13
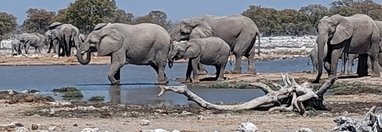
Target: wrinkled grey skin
141,44
35,40
238,31
357,34
209,51
52,41
67,35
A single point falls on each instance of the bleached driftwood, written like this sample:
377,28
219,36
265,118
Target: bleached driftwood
370,123
290,96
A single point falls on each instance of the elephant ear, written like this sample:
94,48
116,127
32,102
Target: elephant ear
344,30
100,26
111,41
54,25
200,29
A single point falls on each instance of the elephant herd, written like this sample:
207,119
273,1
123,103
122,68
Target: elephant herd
60,38
206,40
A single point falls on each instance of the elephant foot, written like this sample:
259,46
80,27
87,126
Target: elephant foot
251,72
115,82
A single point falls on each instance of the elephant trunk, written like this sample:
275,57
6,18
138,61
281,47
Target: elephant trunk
321,42
169,57
84,49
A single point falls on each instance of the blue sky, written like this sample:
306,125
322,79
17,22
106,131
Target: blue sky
175,9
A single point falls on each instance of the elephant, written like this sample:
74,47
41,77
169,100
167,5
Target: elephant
35,40
356,34
141,44
16,47
68,37
238,31
209,51
52,41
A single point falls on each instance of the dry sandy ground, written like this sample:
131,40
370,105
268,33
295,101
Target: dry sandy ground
203,121
188,119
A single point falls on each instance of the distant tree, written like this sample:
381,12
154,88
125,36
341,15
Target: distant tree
37,20
121,16
62,16
7,24
85,14
314,13
265,18
156,17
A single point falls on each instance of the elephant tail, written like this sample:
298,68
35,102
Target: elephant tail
258,48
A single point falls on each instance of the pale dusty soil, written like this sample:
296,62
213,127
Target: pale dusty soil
321,121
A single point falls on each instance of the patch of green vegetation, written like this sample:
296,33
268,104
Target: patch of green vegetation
69,92
238,85
96,99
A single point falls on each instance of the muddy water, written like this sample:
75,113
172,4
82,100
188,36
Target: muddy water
137,81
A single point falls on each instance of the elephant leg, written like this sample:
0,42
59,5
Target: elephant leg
159,68
362,65
194,63
201,69
237,69
189,70
336,53
220,72
118,59
345,57
251,61
375,65
114,73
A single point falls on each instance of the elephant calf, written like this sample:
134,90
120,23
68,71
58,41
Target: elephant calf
209,51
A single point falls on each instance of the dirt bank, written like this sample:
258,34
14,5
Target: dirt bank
128,117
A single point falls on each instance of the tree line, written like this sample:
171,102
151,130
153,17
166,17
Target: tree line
85,14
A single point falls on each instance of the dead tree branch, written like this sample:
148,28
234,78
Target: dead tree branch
297,94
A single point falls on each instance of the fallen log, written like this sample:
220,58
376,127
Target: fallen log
291,96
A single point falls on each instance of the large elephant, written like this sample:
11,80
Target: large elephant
141,44
68,36
357,34
209,51
238,31
31,40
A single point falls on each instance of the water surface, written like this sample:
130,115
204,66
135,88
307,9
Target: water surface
137,81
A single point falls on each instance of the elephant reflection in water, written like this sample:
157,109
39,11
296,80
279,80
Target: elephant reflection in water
115,94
